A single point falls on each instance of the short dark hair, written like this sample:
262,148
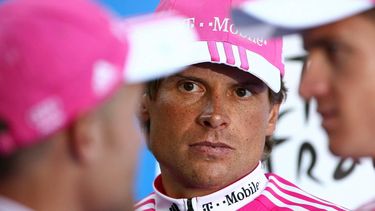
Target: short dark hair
152,88
15,162
6,162
275,98
369,14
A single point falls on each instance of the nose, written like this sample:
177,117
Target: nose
314,79
214,115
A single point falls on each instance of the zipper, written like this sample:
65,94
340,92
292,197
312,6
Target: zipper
174,208
190,205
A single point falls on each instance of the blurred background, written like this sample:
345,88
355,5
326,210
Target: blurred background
126,8
300,155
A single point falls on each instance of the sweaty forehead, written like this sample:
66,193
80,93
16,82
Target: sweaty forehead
321,36
344,31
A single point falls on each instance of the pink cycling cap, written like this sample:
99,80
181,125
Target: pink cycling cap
221,42
272,18
59,59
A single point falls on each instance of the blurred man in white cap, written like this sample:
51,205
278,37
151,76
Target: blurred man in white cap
210,125
70,80
339,37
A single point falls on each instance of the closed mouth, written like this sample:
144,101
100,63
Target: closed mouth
329,119
211,144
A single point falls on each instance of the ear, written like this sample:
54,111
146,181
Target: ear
144,111
85,138
272,119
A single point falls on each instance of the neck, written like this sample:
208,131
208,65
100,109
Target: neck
178,188
37,197
48,185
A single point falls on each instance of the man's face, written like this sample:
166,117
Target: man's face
112,178
208,126
340,75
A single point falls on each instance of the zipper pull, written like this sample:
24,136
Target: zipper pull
190,205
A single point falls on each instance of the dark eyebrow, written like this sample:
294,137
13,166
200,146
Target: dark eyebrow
321,41
251,81
192,78
298,58
253,84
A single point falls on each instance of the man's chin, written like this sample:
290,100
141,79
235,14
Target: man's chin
342,147
209,178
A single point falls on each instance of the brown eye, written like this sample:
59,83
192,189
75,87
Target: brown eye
189,86
242,92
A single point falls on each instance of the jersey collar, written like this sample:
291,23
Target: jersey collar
231,197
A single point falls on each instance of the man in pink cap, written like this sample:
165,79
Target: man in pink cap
210,126
339,37
67,134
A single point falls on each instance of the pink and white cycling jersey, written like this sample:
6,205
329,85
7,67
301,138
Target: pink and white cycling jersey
256,191
370,206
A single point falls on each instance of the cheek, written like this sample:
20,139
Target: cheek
126,135
255,116
121,158
128,149
358,112
356,99
252,123
172,122
251,130
171,115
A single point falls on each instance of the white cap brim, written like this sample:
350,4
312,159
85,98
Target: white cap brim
159,45
271,18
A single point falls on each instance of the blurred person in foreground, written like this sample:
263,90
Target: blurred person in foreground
210,126
70,81
339,71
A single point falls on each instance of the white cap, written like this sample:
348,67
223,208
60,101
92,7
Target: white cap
271,18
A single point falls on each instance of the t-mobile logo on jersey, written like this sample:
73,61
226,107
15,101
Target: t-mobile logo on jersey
234,197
